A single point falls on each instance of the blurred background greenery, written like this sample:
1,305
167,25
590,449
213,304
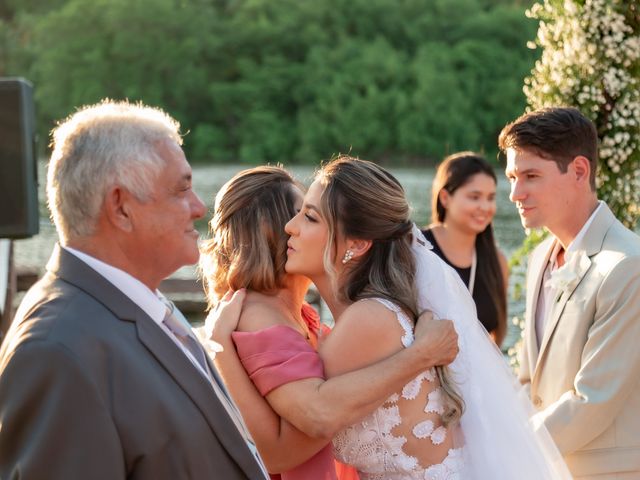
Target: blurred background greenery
402,82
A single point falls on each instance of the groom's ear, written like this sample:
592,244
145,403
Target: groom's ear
581,169
359,247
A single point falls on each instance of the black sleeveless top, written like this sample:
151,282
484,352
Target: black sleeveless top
487,310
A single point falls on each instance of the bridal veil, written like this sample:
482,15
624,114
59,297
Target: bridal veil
499,439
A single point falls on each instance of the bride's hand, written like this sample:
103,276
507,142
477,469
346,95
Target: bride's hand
438,337
223,319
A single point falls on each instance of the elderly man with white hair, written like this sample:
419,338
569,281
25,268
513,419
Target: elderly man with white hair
100,376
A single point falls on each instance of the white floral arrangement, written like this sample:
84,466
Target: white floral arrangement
591,60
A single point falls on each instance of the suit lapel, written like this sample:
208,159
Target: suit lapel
589,245
537,266
559,301
200,391
73,270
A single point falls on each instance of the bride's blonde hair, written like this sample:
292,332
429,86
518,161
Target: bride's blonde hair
363,201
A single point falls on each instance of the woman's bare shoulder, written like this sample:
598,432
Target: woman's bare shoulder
259,312
366,332
369,313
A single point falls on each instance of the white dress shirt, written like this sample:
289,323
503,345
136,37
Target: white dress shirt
547,293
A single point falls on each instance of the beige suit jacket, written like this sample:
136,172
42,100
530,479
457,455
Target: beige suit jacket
585,379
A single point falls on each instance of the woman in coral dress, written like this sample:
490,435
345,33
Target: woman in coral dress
277,334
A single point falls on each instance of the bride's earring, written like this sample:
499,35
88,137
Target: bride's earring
348,255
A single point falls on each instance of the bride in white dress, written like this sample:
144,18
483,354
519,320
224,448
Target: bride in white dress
354,240
384,446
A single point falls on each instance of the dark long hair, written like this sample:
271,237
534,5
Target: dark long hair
455,171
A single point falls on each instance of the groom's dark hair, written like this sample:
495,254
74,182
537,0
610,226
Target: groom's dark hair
559,134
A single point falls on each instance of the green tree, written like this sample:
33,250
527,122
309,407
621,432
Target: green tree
150,50
265,81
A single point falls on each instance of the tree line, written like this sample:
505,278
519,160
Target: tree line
256,81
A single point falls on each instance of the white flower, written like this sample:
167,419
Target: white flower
562,279
565,278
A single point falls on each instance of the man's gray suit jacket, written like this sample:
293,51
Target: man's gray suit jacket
92,388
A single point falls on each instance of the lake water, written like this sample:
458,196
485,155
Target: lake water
34,252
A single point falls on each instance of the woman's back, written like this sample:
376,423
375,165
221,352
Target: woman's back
405,438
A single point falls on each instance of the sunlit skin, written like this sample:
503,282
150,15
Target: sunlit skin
297,284
472,206
163,227
365,331
149,239
547,197
317,407
257,304
309,234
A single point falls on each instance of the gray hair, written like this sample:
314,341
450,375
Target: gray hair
98,147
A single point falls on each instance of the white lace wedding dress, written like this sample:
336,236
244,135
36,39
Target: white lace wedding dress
495,438
377,446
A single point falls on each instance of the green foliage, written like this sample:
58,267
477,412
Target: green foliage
284,80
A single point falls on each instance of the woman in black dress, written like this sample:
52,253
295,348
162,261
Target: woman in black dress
463,206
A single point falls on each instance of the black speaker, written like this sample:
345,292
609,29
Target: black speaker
19,217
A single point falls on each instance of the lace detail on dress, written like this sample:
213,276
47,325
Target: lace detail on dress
439,435
403,319
411,389
359,444
449,469
371,445
435,403
426,430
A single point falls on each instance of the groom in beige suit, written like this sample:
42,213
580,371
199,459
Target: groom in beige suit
581,357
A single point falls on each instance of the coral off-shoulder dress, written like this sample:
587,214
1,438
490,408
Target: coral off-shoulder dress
277,355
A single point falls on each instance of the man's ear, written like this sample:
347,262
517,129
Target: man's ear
581,169
117,208
359,247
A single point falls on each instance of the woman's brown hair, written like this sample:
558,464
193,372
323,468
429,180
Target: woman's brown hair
247,247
